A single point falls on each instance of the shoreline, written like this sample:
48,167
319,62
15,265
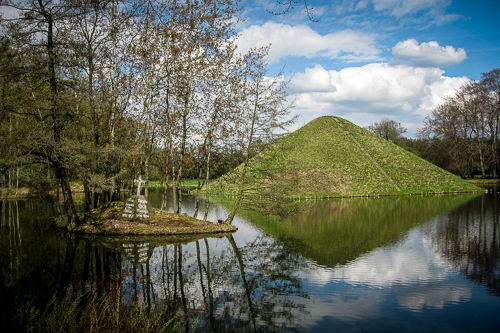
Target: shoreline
106,220
23,192
347,196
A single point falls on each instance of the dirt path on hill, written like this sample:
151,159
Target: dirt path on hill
367,154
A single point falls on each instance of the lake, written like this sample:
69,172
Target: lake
401,264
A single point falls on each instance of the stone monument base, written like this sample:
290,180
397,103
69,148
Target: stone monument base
137,208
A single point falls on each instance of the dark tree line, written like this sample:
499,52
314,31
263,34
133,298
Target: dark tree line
462,134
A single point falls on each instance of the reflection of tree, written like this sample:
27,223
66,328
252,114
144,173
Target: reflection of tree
44,261
277,279
252,288
241,287
469,238
243,278
263,288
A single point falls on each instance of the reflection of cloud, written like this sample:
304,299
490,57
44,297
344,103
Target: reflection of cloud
435,296
412,267
410,261
345,305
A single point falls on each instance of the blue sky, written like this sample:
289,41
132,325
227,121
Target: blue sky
371,59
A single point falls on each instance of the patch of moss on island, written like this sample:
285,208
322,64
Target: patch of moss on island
107,220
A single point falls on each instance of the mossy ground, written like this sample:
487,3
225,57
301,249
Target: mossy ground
106,220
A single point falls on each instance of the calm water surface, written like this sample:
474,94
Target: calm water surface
421,263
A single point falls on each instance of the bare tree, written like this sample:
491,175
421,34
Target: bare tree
388,129
467,125
267,110
288,5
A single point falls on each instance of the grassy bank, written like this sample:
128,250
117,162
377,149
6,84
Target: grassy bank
480,181
13,193
106,220
189,183
331,157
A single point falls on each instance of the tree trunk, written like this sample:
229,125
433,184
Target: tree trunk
73,219
146,167
198,188
481,162
230,218
174,190
207,189
177,209
17,179
58,124
200,184
86,190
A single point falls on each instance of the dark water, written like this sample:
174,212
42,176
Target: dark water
422,263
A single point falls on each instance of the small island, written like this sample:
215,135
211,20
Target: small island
136,216
108,220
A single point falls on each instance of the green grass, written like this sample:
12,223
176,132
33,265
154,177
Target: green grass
411,173
184,182
322,159
483,181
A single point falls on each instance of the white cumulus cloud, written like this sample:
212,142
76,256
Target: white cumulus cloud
429,54
298,41
369,93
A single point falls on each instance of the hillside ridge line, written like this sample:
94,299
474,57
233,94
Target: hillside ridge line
367,154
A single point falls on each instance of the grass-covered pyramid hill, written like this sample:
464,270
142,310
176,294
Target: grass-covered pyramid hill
331,156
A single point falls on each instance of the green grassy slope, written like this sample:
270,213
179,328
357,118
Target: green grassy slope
411,173
323,158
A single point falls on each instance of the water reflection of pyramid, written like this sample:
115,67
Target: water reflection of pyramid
137,253
352,227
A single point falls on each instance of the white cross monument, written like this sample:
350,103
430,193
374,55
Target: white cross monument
139,183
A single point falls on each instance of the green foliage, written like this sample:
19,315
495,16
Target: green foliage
58,315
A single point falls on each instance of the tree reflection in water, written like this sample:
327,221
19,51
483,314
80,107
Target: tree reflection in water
469,238
260,284
251,288
239,289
